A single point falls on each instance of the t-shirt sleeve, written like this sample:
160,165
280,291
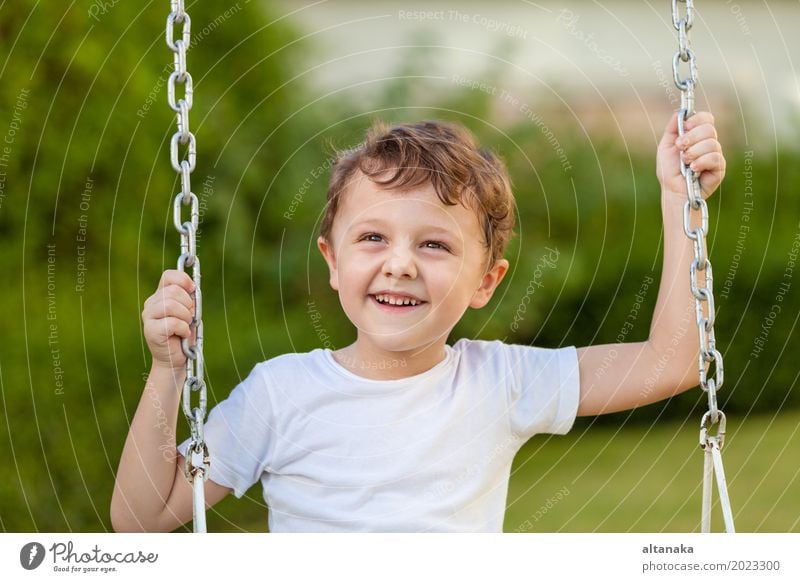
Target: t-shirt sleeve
543,389
238,433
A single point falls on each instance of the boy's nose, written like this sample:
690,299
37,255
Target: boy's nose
400,263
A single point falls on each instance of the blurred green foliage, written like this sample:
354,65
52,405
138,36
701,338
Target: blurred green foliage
86,93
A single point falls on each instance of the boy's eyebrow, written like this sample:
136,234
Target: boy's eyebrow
381,223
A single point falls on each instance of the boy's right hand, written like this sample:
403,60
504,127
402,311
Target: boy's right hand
167,316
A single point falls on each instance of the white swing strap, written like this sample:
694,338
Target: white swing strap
199,506
712,467
196,471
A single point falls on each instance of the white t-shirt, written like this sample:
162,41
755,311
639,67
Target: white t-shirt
336,452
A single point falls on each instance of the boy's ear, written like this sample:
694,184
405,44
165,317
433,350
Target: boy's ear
491,279
326,248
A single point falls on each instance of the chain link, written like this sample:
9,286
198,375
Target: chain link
188,257
705,312
703,295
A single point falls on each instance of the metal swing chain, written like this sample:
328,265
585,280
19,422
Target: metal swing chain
710,443
197,451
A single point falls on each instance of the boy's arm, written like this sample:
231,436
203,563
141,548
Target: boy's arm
616,377
151,492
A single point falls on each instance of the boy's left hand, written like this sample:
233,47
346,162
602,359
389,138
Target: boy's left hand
700,148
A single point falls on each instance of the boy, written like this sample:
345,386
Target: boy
400,431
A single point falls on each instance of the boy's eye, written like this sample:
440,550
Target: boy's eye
431,244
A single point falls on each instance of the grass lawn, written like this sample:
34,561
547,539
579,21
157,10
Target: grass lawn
649,478
629,478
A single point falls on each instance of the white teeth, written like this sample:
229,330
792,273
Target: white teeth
396,301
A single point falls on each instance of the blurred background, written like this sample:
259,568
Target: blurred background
573,95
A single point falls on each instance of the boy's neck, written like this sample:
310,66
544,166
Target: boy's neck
374,363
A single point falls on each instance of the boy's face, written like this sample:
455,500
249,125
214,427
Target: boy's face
392,245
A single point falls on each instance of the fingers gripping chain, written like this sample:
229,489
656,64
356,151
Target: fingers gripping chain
197,457
703,295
